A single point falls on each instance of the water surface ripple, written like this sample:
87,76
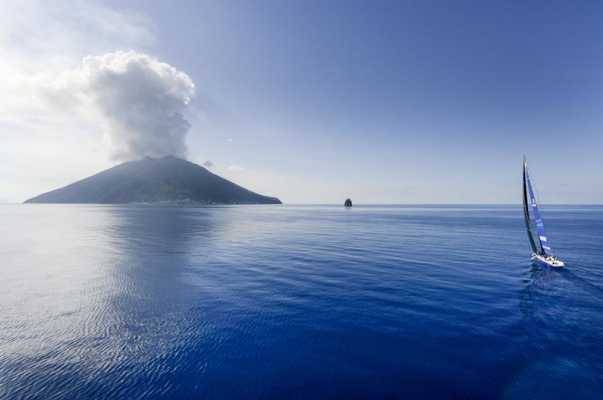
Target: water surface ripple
244,302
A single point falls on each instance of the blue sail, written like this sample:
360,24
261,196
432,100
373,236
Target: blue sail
546,248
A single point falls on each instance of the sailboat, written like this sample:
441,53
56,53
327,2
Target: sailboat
544,255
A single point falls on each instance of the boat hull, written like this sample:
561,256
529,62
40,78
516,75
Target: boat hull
547,261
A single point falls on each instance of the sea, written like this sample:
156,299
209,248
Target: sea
298,302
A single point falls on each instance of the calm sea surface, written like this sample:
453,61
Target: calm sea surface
308,302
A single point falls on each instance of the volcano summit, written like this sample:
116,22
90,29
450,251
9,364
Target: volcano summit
167,180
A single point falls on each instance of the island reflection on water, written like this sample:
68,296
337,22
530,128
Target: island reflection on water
309,301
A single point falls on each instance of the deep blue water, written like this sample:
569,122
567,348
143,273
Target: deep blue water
308,302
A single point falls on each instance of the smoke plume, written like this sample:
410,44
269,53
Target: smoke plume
140,101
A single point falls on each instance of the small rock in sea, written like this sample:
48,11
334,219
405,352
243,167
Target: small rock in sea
348,203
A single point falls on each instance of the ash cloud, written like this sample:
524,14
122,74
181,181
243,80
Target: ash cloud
140,102
208,164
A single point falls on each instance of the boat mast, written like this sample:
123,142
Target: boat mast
526,213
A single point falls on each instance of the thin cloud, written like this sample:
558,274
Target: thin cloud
137,101
236,168
52,131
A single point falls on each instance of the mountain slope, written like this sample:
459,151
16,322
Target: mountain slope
167,180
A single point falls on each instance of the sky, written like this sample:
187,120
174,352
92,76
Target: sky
310,101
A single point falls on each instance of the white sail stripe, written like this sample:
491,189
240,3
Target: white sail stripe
542,238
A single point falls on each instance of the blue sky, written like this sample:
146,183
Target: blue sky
383,102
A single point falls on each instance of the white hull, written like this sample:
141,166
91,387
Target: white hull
548,261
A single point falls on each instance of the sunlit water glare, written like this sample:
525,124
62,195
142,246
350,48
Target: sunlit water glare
225,302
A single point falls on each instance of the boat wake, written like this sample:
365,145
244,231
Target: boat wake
582,283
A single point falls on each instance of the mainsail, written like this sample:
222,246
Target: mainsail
544,245
526,212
